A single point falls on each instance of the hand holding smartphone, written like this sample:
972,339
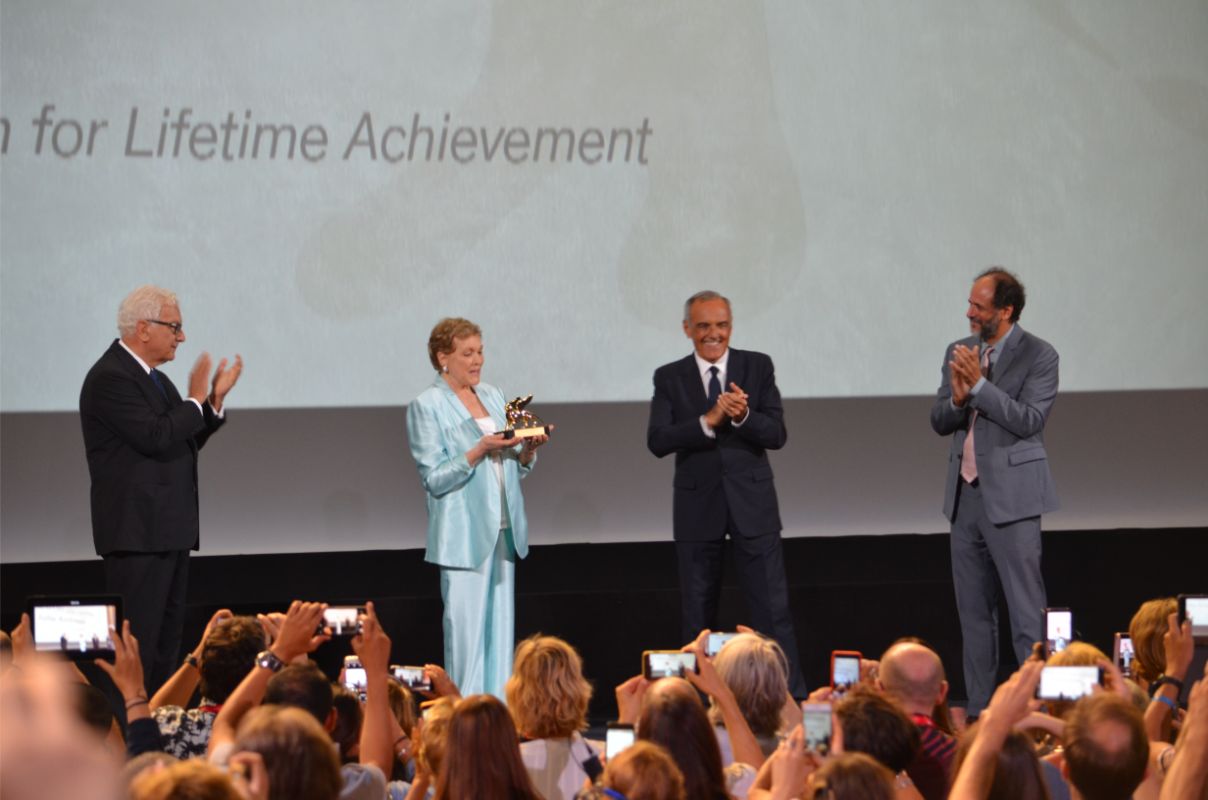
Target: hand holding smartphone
845,669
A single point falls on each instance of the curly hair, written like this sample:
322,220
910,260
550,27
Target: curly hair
227,655
430,746
444,337
184,780
547,693
1147,628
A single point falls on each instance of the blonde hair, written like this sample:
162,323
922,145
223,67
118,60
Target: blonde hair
1147,628
444,337
756,671
644,771
1077,654
430,744
184,780
547,693
402,705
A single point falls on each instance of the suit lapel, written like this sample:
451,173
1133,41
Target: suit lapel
143,379
1008,352
736,370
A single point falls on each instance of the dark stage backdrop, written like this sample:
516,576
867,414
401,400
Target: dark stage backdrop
614,600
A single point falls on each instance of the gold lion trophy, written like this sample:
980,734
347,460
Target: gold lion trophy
522,423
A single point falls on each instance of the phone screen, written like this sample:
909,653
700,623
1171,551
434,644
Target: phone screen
715,642
1059,629
846,672
343,620
1067,683
412,678
668,664
1195,608
1124,654
617,739
816,723
354,678
77,628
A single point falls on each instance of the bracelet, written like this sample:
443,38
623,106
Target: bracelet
1165,680
141,701
1161,698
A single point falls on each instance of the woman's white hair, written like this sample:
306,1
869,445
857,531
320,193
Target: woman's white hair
145,302
756,670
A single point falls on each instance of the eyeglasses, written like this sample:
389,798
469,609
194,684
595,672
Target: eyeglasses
175,326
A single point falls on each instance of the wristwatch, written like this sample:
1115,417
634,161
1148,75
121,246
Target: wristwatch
268,660
191,660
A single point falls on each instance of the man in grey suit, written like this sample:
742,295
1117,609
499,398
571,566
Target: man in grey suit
997,389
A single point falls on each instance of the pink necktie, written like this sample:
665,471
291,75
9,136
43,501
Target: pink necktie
968,457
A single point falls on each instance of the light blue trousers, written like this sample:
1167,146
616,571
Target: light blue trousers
480,620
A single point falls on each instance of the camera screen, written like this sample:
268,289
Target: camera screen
1197,612
716,641
343,620
412,677
75,628
816,723
1059,630
1125,655
616,740
1067,683
847,671
669,665
354,678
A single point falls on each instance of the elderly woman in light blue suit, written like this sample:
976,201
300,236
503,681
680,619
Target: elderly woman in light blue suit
476,523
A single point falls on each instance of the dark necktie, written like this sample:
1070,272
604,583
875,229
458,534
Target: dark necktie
159,384
714,386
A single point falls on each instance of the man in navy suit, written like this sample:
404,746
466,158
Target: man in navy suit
142,440
719,411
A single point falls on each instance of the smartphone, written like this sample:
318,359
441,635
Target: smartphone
343,620
76,626
354,675
1058,630
1068,683
618,736
414,678
816,723
667,664
845,669
1195,608
715,642
1123,653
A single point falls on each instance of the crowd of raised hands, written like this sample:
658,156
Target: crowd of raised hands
249,716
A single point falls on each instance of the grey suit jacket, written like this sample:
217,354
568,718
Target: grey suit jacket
1012,465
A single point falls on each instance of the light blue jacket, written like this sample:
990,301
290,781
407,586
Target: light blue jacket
464,503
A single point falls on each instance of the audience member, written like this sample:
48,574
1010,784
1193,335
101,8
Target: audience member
226,652
346,732
852,776
1188,774
1147,628
642,771
911,676
673,717
865,722
756,671
297,752
1016,773
200,780
548,698
1106,751
482,754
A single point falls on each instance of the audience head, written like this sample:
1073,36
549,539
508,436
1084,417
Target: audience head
302,686
402,705
1076,654
912,675
644,771
346,730
228,653
1147,628
1106,749
1017,774
674,718
297,752
482,754
756,671
94,708
852,776
547,693
868,723
184,780
433,734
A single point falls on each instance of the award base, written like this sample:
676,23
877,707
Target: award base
526,433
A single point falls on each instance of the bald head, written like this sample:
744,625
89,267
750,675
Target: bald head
913,675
